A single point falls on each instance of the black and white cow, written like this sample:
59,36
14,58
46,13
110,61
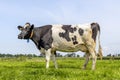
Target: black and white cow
66,38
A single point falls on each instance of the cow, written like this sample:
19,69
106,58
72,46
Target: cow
66,38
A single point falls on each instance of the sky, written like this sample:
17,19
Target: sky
43,12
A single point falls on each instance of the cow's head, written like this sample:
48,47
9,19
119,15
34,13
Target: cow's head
26,31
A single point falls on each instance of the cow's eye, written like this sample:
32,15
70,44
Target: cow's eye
27,29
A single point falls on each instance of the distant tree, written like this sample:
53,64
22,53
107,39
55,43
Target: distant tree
58,55
41,55
73,55
78,55
118,54
109,55
6,55
70,55
34,55
29,55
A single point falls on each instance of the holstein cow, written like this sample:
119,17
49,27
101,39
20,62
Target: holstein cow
66,38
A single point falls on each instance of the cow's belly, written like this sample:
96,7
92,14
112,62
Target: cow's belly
65,46
79,47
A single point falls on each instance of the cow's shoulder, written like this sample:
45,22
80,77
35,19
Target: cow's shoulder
45,39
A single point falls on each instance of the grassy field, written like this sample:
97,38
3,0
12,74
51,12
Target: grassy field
69,69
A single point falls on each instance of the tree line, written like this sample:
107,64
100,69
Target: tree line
19,55
40,55
109,56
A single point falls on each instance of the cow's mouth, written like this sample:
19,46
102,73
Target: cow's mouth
20,37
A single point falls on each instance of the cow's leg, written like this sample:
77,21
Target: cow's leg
87,57
47,54
54,60
94,57
91,48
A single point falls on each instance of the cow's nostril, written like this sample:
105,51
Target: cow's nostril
19,37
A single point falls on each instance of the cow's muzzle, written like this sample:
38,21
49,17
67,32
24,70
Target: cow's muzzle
19,37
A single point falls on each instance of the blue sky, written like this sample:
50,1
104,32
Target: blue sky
42,12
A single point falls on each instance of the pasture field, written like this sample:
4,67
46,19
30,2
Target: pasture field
69,69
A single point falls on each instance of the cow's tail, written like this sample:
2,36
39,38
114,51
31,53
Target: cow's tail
99,52
96,36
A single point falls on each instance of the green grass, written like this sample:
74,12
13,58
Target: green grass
69,69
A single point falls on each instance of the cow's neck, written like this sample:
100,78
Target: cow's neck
36,38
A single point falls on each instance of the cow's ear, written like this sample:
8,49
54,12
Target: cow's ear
20,27
32,26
